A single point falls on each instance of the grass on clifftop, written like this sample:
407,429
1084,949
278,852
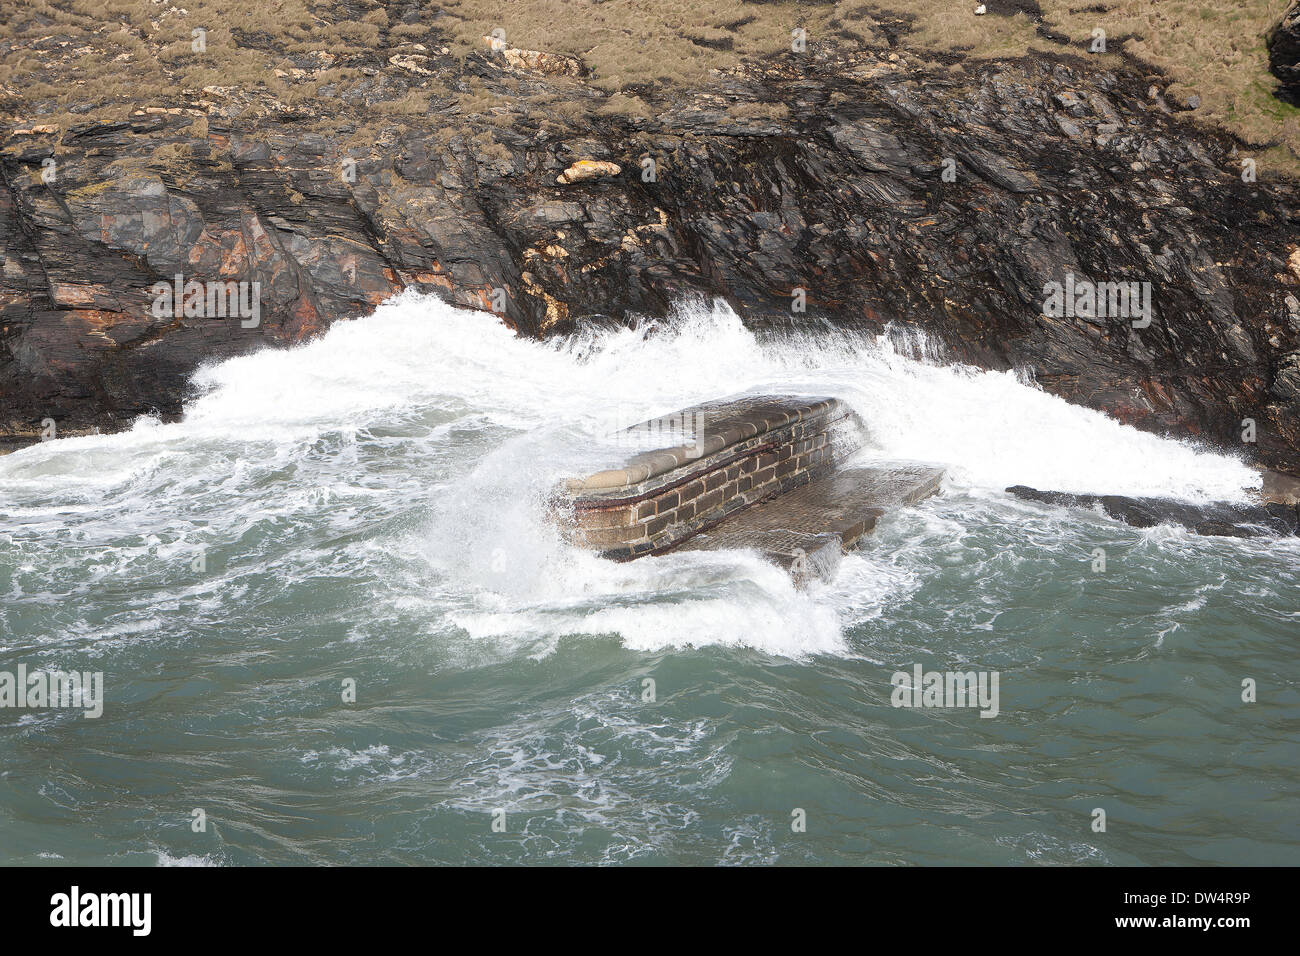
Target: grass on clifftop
1213,49
69,61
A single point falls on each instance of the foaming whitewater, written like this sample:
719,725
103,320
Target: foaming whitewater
367,511
445,408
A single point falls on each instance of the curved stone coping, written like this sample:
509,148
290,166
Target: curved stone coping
727,422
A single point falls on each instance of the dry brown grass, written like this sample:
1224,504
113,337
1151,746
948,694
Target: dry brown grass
125,54
637,42
1213,50
119,55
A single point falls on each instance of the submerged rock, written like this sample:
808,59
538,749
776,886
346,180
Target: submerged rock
1227,519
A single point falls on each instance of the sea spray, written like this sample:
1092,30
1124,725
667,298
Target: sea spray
370,508
483,424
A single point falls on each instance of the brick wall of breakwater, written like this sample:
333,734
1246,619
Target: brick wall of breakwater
740,452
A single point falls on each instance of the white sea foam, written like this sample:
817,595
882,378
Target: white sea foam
449,403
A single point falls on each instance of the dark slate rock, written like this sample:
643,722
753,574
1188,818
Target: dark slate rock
1215,518
1284,48
848,202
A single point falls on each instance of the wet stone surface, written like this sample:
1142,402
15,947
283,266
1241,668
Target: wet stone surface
806,529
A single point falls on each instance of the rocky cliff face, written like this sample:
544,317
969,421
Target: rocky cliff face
1284,49
888,189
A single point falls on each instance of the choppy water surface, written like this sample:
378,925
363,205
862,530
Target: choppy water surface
368,508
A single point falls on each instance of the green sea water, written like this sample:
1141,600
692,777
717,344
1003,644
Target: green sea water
332,616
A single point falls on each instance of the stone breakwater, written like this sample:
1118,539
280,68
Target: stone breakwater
761,473
741,452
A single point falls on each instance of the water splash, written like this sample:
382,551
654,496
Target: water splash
423,402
